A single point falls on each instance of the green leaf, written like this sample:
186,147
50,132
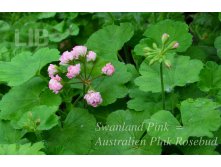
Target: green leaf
9,135
150,102
122,134
38,118
4,26
46,15
164,126
178,31
112,87
23,98
194,112
142,101
25,149
108,41
217,45
210,78
139,48
182,72
75,136
202,149
60,31
197,52
24,66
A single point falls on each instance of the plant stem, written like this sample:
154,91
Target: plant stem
162,86
91,71
99,76
121,59
126,54
84,92
78,98
85,68
74,82
163,95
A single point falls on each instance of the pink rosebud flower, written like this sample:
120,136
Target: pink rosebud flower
176,45
108,69
93,98
75,54
66,57
55,85
91,56
79,51
73,71
52,70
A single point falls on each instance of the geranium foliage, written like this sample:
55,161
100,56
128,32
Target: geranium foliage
110,83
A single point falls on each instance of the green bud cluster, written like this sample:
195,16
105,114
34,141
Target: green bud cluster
157,54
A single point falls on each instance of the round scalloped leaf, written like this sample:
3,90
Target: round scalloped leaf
200,118
217,45
4,26
38,118
9,135
75,136
23,98
182,72
149,102
22,149
122,134
24,66
107,41
178,31
113,87
142,101
200,149
210,78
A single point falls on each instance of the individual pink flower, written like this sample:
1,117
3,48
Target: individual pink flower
79,51
75,54
91,56
73,71
108,69
66,57
52,70
93,98
55,84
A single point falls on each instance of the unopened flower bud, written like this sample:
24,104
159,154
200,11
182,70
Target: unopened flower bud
167,63
173,45
147,49
154,45
164,38
176,45
30,115
38,121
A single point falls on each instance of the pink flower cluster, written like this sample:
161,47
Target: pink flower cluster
71,60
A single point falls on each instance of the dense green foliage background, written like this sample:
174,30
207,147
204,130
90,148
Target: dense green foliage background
33,120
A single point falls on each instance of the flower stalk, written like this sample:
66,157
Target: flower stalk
162,87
